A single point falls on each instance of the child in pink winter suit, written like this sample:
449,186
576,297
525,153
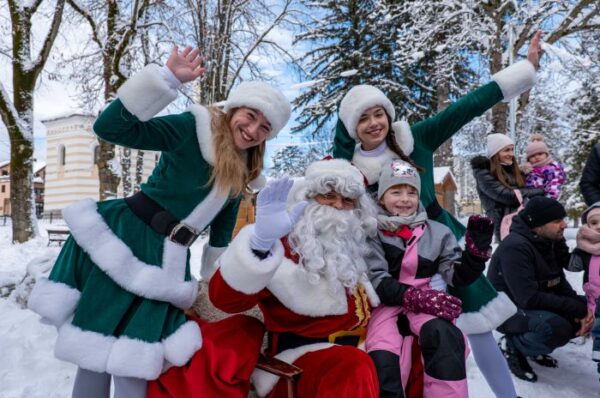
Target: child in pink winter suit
586,257
543,171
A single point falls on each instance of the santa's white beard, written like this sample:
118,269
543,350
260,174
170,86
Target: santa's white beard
332,244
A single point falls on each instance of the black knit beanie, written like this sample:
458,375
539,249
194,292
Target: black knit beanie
540,210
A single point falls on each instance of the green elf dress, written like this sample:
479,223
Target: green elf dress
484,308
118,289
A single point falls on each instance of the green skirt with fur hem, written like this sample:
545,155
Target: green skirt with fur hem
120,332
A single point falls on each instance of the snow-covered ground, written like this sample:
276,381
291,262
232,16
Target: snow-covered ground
28,368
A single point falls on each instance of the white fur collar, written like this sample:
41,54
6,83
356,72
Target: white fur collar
290,285
204,132
370,166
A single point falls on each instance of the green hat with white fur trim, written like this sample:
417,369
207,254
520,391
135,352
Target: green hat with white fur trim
265,98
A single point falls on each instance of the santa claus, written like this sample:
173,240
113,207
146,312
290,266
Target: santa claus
306,269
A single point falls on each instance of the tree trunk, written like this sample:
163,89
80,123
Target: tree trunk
109,181
443,155
126,170
139,170
21,186
500,110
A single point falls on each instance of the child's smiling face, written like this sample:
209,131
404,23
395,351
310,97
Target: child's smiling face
401,200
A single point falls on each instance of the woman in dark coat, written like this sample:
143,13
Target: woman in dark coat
498,176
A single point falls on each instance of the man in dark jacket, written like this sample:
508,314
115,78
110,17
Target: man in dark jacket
528,267
590,177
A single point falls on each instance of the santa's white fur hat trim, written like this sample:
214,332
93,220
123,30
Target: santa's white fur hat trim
265,98
359,99
338,174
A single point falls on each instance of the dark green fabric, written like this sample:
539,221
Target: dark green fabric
180,180
475,295
105,307
179,183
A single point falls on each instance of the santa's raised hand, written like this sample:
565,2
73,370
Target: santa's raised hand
186,65
273,220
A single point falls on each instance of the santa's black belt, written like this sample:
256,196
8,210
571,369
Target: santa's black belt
286,341
161,220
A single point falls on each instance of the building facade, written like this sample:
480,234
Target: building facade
445,188
39,173
71,170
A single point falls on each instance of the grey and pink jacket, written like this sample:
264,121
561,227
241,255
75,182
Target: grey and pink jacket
550,177
437,251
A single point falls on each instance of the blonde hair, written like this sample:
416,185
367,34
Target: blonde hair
498,171
234,168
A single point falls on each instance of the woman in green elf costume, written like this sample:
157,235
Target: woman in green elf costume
365,118
121,283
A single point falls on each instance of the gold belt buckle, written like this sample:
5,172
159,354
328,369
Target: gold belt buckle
360,332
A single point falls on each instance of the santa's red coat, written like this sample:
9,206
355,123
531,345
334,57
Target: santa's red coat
221,367
292,305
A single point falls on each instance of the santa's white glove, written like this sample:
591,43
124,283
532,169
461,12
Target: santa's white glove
273,221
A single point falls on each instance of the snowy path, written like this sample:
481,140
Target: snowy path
28,368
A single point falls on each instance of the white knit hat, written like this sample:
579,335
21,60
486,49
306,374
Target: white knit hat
265,98
497,142
357,101
333,174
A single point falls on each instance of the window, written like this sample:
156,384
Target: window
3,188
61,155
4,172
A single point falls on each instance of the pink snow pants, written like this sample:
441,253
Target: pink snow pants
383,333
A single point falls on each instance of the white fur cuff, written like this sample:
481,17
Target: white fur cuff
489,317
240,267
516,79
146,93
54,301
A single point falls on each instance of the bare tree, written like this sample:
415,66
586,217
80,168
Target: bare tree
564,17
115,26
235,36
17,112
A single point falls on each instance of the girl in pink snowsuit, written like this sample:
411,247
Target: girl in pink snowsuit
417,250
586,257
543,171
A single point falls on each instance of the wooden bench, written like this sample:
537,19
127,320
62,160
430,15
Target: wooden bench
58,235
283,369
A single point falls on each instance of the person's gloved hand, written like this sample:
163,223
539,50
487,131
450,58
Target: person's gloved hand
273,221
432,302
478,239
